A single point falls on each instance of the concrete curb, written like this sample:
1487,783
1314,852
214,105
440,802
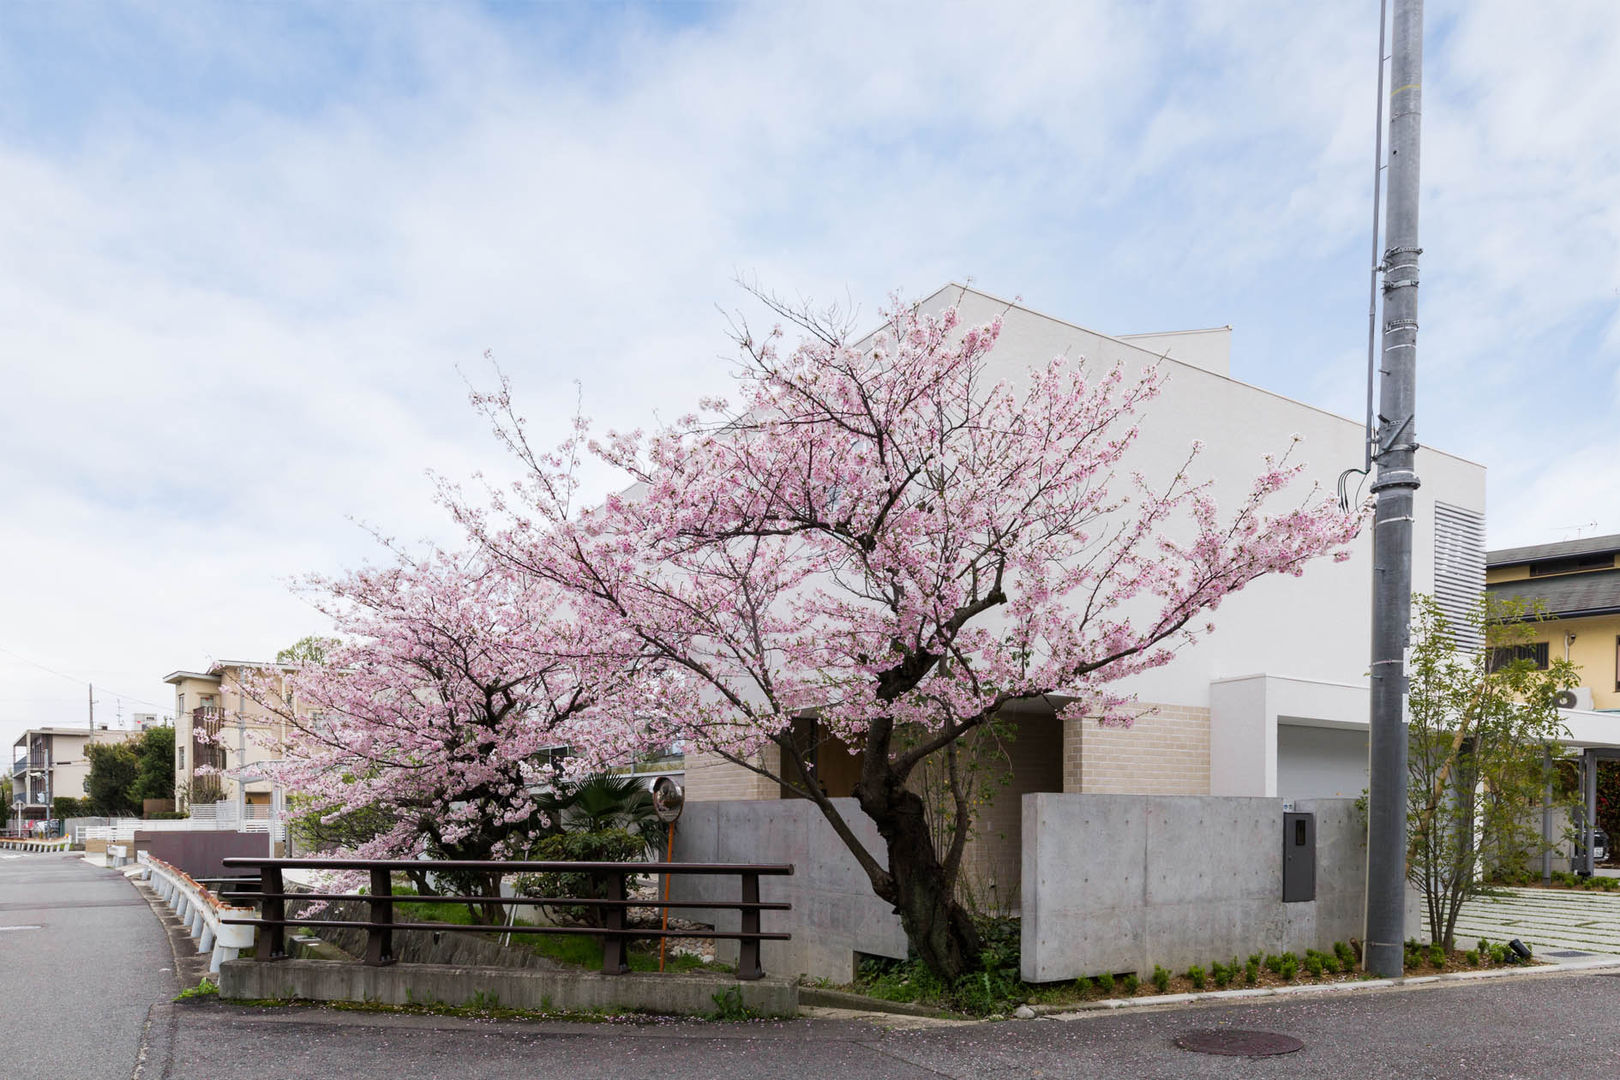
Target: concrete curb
840,999
1569,967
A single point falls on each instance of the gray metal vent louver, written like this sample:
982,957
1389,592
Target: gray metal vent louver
1459,569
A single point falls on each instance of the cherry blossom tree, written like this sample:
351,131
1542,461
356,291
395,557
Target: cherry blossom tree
431,721
877,535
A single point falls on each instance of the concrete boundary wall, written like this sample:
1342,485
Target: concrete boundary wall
512,988
834,911
1119,883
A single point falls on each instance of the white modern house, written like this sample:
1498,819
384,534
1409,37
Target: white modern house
1274,703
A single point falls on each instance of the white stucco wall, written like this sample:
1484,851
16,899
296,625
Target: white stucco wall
1316,627
1319,762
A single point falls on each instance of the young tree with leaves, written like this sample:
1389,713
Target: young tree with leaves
877,535
1481,724
110,787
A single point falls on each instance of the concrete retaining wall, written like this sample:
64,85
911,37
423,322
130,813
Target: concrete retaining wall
1119,883
445,948
834,911
571,991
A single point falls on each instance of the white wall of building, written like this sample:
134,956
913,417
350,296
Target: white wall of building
1320,762
1315,627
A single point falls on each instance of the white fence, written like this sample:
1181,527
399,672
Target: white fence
220,816
27,844
202,912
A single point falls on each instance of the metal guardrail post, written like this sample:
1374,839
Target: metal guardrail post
380,939
614,958
748,966
271,941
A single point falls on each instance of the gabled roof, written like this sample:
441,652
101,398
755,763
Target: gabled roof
1567,595
177,676
1592,545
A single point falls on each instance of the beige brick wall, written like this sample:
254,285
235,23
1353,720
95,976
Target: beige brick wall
711,778
1165,752
992,864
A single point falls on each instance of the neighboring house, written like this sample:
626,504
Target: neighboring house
1275,701
218,727
51,763
1577,584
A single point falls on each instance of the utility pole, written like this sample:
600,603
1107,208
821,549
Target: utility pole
1396,481
92,688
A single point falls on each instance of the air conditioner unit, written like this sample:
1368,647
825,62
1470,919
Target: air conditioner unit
1578,698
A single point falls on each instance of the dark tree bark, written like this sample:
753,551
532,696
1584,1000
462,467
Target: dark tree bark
921,888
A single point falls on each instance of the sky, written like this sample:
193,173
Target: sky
252,255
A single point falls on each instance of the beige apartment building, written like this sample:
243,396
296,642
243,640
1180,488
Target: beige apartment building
220,728
50,763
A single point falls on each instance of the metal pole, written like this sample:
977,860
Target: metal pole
1546,814
1588,825
1392,522
241,755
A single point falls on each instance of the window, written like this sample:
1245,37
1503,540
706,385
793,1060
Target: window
1504,655
1572,565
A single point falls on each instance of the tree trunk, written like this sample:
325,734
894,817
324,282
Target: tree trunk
939,928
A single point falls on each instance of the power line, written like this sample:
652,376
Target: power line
78,679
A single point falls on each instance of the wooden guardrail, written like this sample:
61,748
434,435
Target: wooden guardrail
271,925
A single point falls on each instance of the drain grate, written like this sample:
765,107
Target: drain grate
1567,953
1237,1043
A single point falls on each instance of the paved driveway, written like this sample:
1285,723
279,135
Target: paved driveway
1549,920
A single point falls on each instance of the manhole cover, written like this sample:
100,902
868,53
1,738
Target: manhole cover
1239,1043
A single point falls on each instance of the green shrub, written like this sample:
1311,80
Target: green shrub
1105,982
1289,966
1437,955
608,845
1499,954
1472,956
1484,947
64,806
206,988
1161,979
1251,970
1313,965
1221,974
1130,984
728,1005
1195,975
1345,955
1082,986
1274,964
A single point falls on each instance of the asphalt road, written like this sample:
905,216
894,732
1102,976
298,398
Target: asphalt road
82,961
89,997
1565,1027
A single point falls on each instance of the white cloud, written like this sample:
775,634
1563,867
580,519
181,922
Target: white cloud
241,258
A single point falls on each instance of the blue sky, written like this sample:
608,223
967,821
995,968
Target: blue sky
245,247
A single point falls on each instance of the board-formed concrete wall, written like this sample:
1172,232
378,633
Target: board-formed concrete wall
834,911
1119,883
